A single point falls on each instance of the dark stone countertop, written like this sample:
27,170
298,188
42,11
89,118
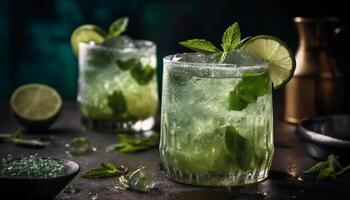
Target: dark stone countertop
289,160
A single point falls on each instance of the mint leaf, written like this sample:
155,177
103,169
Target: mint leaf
248,90
98,173
231,37
118,27
128,64
316,168
116,101
200,45
329,169
238,147
29,143
107,170
109,166
129,143
142,75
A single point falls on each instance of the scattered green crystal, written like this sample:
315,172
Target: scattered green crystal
30,167
79,146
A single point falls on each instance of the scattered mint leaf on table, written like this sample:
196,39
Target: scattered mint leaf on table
18,139
118,27
329,169
128,143
107,169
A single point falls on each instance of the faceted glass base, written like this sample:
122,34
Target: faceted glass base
114,126
225,180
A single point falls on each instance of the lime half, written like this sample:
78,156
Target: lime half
279,56
36,105
86,33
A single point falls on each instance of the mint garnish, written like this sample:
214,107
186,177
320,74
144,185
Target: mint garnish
200,45
118,27
248,90
231,39
107,169
117,102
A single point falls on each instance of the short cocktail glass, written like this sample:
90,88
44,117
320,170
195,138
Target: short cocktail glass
118,87
216,122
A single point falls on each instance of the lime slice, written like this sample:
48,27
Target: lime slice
36,105
279,56
86,33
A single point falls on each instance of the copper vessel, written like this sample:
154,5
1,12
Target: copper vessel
317,85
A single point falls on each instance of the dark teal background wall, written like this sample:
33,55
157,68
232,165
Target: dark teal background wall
35,35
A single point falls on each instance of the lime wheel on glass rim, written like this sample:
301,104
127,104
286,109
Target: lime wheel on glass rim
280,59
87,33
35,106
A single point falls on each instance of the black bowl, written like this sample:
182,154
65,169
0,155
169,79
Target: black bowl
38,189
326,135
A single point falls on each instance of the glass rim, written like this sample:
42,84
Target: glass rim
142,46
213,66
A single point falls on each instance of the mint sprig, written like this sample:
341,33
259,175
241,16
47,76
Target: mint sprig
231,39
118,27
329,169
107,169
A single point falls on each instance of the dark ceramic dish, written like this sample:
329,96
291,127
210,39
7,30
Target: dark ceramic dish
38,189
326,135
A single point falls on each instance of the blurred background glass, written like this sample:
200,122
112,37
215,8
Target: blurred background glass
35,35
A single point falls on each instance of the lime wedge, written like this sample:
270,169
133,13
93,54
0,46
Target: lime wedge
86,33
279,56
35,105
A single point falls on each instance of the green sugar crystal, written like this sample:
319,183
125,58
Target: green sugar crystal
30,167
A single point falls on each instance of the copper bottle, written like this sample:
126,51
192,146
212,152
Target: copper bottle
317,85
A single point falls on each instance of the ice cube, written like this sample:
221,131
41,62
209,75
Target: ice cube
193,57
142,180
120,42
241,58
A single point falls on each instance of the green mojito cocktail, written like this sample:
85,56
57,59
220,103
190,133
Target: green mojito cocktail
216,114
117,79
